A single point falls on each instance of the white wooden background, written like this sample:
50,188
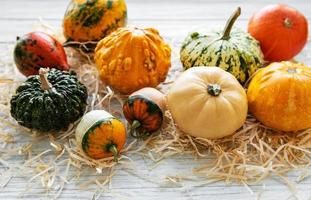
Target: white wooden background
173,18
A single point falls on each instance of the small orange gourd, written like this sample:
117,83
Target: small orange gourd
100,135
144,111
279,96
132,58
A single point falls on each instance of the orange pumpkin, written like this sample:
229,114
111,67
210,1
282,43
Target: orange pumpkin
144,111
282,31
100,135
132,58
278,96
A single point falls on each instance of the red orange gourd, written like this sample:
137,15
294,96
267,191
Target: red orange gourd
281,30
37,50
144,110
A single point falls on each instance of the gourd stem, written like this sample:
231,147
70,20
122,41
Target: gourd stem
288,23
45,84
113,149
136,124
134,133
229,25
214,89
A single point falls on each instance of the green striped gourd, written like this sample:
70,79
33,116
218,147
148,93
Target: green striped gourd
234,51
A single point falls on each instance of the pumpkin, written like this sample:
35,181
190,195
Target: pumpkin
278,96
282,31
92,20
207,102
38,49
100,135
144,111
234,51
133,58
49,101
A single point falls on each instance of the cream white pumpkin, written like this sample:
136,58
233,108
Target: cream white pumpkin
207,102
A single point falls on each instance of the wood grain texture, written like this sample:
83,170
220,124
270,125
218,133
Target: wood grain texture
174,19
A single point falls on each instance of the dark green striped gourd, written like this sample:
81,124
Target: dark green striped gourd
49,101
234,51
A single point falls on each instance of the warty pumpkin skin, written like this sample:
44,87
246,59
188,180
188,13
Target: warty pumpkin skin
49,101
281,30
100,135
92,20
207,102
38,49
144,111
234,51
132,58
278,96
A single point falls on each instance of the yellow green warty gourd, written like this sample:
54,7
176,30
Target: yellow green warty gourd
92,20
234,51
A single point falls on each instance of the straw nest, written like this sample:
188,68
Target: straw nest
252,154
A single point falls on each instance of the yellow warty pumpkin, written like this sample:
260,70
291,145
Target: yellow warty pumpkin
207,102
279,96
132,58
91,20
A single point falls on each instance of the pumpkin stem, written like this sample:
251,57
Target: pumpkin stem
214,89
229,25
45,84
134,133
113,149
288,23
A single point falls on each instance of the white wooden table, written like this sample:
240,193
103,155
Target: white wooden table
174,19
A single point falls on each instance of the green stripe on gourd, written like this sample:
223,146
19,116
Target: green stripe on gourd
234,51
88,13
85,139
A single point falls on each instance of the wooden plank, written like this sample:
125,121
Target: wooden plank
176,29
148,10
224,192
